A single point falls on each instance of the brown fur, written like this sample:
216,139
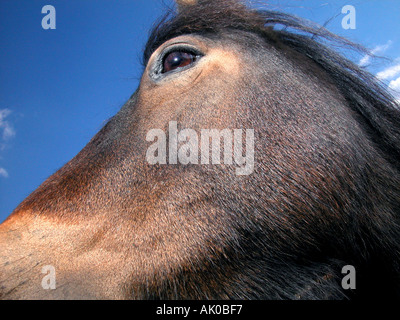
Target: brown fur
324,192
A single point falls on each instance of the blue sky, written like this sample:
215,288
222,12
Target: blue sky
58,87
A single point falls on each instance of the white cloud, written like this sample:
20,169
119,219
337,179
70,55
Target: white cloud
395,84
5,126
6,132
4,113
377,50
389,72
3,173
390,76
394,87
364,61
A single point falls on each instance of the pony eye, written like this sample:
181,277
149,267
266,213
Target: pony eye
178,59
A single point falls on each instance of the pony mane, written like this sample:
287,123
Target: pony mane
378,110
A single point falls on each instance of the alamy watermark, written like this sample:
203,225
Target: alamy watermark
49,280
49,20
189,147
349,20
349,280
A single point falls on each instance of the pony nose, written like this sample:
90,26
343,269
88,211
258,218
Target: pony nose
23,259
10,260
42,259
19,267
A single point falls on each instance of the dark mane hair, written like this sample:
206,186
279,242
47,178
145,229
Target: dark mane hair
368,97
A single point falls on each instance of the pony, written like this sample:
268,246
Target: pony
323,194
